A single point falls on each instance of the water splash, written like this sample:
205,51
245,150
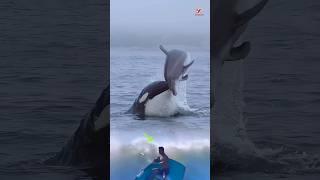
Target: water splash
129,158
233,149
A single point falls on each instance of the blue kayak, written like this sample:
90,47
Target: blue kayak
176,171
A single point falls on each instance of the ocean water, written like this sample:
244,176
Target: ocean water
53,66
185,137
281,90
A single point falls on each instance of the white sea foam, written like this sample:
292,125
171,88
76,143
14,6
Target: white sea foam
129,157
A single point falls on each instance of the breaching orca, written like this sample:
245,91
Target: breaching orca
166,98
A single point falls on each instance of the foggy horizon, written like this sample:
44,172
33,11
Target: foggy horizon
147,23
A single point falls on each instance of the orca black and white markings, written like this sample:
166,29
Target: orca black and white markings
166,98
87,147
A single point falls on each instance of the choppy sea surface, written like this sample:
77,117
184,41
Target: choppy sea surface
52,64
53,59
184,137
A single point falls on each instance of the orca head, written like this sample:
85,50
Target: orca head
176,67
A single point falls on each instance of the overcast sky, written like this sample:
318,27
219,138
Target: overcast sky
149,22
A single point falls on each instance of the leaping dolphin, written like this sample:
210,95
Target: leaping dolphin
176,66
228,27
229,23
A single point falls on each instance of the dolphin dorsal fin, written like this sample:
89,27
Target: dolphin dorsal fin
246,16
163,50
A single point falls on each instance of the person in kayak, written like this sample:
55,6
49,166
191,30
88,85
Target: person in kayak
164,162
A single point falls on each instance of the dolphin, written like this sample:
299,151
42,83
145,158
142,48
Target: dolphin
87,147
228,26
229,134
176,66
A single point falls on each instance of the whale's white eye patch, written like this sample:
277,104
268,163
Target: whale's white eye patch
102,120
143,98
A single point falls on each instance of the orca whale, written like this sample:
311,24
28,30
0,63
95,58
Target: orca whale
87,148
166,98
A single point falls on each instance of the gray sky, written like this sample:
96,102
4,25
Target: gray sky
150,22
